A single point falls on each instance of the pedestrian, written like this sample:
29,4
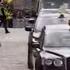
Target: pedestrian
9,18
3,11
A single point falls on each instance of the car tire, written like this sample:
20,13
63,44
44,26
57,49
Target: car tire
27,29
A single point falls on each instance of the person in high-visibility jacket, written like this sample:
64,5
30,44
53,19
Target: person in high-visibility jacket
9,18
3,11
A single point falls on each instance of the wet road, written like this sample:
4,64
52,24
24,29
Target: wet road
13,50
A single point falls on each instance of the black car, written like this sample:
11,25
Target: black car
54,54
51,13
35,34
30,20
29,23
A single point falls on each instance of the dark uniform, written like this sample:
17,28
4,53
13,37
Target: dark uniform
10,18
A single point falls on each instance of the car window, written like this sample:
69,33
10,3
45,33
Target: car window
47,20
57,38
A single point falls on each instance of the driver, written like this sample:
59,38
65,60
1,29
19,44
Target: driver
61,16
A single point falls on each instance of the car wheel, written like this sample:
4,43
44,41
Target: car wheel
27,29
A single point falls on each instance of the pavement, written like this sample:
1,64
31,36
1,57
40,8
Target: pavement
13,49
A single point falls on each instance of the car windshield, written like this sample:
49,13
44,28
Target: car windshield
47,11
55,3
57,38
47,20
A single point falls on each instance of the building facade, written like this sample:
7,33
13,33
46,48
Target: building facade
22,4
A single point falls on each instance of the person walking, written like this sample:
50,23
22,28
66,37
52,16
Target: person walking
3,11
9,18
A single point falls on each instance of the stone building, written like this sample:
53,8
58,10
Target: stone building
22,4
25,4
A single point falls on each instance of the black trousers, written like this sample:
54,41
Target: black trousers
10,23
5,26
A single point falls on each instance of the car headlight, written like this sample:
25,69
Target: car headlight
48,62
34,40
58,62
36,34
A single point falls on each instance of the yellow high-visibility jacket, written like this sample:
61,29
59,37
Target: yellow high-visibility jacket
8,1
8,14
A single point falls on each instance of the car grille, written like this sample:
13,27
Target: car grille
54,68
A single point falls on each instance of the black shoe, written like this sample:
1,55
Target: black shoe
0,44
7,32
30,67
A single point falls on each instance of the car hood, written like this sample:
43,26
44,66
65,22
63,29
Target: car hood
64,51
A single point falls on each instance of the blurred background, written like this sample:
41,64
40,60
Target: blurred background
21,9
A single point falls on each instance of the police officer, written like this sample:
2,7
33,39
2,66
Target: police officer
3,11
9,18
